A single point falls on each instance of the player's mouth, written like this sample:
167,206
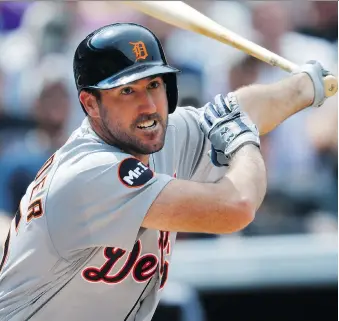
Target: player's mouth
147,125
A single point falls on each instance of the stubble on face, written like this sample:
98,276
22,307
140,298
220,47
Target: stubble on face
127,139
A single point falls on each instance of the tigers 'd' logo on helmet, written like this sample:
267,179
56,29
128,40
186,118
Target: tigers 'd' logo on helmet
139,50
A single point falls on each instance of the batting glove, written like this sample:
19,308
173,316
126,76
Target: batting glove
316,72
228,128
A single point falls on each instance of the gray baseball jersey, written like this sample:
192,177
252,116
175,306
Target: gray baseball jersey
76,249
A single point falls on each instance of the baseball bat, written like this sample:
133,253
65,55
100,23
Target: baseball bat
183,16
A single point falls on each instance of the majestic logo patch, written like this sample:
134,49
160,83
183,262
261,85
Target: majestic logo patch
134,173
139,50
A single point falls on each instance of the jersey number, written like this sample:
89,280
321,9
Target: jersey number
34,210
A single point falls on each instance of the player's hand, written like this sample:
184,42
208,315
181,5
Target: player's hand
316,72
228,128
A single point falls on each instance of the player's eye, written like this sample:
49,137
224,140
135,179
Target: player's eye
126,91
154,84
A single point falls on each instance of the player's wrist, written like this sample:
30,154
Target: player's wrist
247,151
247,148
305,88
315,73
246,139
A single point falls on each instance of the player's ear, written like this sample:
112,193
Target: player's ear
90,103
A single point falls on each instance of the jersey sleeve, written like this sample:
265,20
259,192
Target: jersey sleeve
104,204
192,146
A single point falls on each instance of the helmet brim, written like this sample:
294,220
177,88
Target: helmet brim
133,74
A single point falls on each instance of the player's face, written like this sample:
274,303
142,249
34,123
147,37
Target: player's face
135,116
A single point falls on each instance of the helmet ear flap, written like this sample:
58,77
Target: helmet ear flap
172,91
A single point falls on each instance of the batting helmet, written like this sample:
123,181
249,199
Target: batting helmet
121,53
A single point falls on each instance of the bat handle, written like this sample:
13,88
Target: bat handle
331,85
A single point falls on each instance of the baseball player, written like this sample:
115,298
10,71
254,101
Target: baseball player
95,231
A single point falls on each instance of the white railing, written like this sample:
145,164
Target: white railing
252,262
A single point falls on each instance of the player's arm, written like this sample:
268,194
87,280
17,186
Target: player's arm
228,205
269,105
224,207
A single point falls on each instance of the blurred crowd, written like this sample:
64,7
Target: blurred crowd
39,106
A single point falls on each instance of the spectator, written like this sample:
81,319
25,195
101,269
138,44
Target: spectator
293,164
11,13
321,19
44,29
22,160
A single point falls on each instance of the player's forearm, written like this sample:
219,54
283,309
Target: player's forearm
248,175
269,105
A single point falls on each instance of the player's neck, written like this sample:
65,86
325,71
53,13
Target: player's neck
143,158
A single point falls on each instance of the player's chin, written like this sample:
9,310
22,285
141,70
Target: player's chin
152,143
151,149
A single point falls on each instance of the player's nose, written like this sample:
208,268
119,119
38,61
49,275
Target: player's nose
146,103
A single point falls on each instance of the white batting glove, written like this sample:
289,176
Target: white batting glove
316,72
228,128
